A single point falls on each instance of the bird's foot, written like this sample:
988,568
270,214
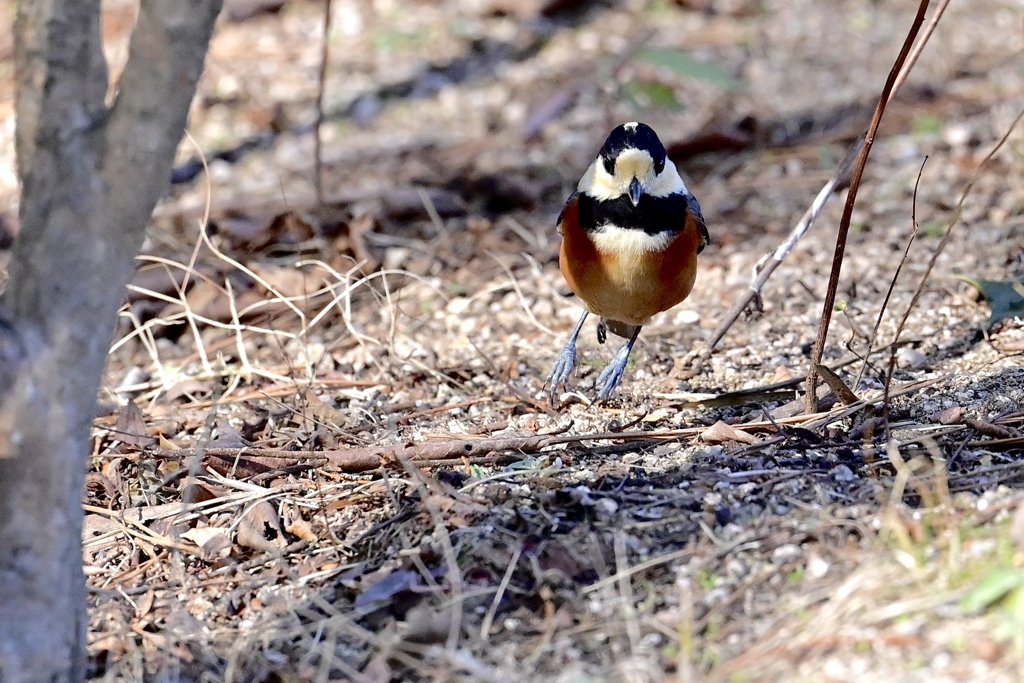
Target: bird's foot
568,360
611,376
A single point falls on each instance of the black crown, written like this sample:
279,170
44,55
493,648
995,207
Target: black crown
632,136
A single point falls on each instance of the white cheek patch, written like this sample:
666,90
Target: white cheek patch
667,183
611,239
599,184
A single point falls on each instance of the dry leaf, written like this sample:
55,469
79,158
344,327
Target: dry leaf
950,416
288,281
131,425
721,432
186,388
301,529
386,588
321,410
781,374
260,529
198,491
200,297
357,230
145,605
211,540
424,625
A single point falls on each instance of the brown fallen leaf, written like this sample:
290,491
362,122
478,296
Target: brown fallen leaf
260,529
382,588
950,416
185,388
450,504
131,425
212,541
425,625
989,429
199,491
288,281
301,529
322,410
145,605
358,229
781,374
721,432
837,385
155,277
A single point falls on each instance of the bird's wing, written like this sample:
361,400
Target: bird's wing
570,203
698,217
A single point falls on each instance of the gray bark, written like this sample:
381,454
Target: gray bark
91,176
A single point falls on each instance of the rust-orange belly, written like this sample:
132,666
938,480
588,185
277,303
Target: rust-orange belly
628,285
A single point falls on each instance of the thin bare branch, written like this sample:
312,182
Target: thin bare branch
935,257
839,179
851,200
318,144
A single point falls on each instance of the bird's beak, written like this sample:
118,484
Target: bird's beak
635,190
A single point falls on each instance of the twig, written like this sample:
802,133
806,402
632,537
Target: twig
409,417
485,627
426,484
895,276
685,659
318,161
363,459
851,200
446,450
190,268
837,181
935,257
625,585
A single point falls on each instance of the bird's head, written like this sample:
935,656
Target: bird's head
631,163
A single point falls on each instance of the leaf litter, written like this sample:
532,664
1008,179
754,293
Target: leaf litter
323,452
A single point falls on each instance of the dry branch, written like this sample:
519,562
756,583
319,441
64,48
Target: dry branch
851,200
839,179
919,290
358,459
250,461
318,157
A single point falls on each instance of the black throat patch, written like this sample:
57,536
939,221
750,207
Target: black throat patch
653,215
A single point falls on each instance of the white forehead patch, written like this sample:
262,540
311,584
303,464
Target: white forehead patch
631,125
634,162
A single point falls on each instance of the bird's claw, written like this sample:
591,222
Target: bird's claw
610,377
568,360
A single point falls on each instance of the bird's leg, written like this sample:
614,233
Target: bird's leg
612,375
566,362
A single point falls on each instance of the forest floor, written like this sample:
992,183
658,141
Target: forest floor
323,450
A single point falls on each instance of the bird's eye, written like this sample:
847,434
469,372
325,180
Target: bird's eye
659,166
609,165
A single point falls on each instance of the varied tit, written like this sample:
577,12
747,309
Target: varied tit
630,237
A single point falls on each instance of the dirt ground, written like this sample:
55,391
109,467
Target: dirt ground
323,450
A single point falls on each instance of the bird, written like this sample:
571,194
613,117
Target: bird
631,233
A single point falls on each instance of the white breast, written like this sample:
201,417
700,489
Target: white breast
611,239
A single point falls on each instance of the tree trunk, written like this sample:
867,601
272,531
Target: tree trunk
91,176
